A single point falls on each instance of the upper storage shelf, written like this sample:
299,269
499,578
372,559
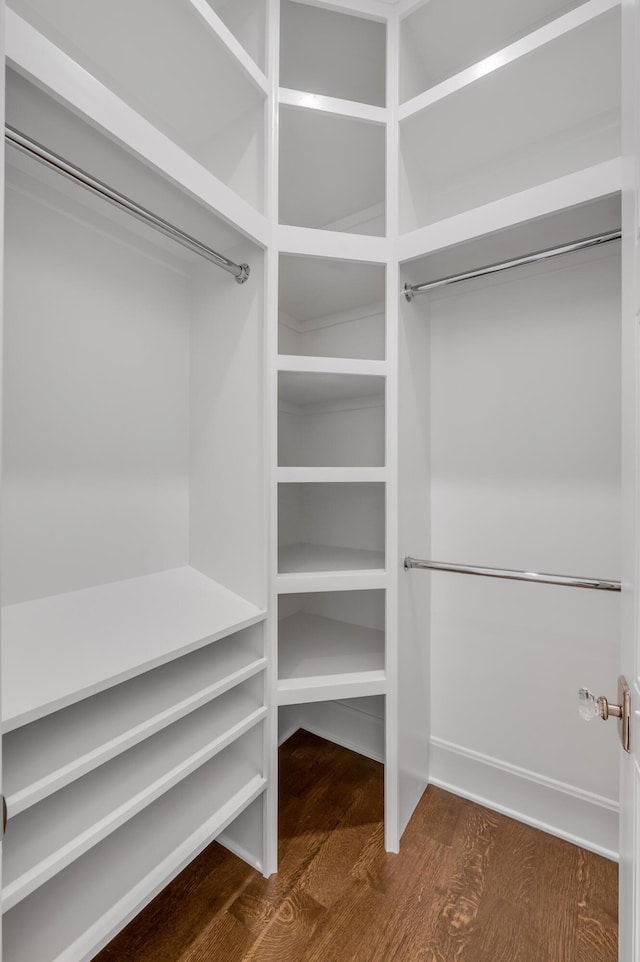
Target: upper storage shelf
332,53
332,172
247,21
210,104
550,113
427,55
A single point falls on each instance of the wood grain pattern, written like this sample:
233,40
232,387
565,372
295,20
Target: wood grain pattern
469,885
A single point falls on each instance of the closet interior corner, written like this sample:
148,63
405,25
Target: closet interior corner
294,289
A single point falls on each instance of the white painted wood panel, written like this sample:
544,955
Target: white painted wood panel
223,133
318,653
112,882
45,756
86,641
510,130
312,38
51,835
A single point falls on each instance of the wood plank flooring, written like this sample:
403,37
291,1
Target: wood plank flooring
469,885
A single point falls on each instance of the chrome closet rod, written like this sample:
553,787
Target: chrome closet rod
600,584
97,187
410,290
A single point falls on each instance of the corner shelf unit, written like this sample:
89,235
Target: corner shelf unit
523,119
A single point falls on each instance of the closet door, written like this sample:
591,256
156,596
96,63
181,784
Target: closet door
2,83
630,640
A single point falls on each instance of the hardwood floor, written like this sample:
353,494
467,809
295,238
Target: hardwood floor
469,885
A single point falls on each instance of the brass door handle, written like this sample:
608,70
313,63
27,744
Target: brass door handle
591,707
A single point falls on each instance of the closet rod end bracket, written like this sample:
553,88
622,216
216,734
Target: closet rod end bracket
409,292
245,270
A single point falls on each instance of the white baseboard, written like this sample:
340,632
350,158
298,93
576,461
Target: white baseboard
580,817
357,730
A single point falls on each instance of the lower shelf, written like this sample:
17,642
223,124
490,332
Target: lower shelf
318,557
75,914
321,658
46,838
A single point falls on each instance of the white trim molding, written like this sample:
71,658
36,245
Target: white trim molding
580,817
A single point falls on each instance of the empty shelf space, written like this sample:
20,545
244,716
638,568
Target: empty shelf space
332,172
46,755
225,134
330,420
427,56
49,836
332,53
331,308
61,649
547,115
331,526
108,885
330,645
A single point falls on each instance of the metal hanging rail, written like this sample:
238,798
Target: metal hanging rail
97,187
599,584
410,290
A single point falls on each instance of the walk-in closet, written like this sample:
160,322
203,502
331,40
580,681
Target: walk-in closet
313,417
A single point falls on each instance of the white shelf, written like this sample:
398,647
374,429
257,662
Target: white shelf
318,364
584,187
331,105
482,32
325,581
231,188
40,758
332,172
47,837
542,116
331,308
311,38
85,641
320,658
79,910
305,558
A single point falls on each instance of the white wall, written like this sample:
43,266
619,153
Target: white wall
96,443
525,419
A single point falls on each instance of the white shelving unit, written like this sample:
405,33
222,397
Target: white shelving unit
133,566
180,559
504,130
108,885
427,57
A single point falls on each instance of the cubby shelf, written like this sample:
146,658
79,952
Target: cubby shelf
45,756
332,172
321,658
226,186
329,312
311,38
85,641
510,130
49,836
109,884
